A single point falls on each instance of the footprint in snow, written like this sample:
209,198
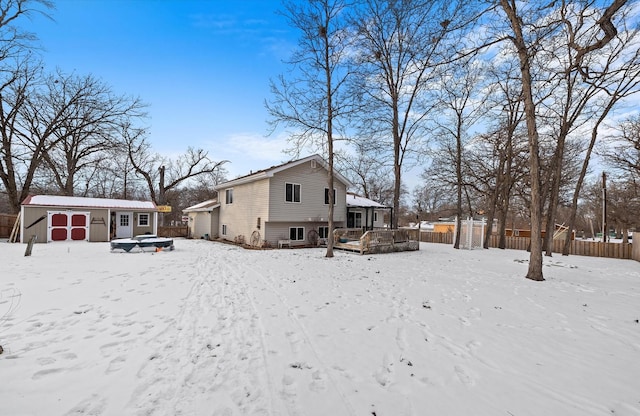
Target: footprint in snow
93,406
464,376
318,381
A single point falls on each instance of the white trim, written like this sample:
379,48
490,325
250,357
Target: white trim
139,215
304,234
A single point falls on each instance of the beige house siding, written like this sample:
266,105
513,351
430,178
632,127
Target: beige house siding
313,181
380,220
249,204
259,202
40,229
199,224
275,231
99,224
137,229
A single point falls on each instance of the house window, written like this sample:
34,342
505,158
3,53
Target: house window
143,220
229,196
326,196
296,233
292,192
224,229
375,216
323,232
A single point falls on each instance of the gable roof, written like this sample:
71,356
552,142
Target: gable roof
357,201
205,206
269,172
82,202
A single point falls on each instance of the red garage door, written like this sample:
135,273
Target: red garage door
68,226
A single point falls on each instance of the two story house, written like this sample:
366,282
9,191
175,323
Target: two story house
288,202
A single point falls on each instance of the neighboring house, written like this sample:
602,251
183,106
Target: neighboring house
69,218
202,224
444,227
365,213
288,203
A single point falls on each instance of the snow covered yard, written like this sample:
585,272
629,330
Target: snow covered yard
215,330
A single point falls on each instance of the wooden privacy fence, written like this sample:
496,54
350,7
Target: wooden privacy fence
577,247
174,231
6,224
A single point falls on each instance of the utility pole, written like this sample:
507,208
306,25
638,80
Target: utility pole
161,195
604,208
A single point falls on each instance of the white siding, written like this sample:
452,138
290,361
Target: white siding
313,182
199,224
249,204
280,231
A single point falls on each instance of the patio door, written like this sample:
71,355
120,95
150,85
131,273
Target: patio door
354,219
124,224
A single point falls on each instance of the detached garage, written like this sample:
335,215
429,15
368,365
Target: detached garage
69,218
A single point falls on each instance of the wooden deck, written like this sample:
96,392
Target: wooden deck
375,241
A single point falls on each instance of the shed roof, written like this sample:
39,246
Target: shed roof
82,202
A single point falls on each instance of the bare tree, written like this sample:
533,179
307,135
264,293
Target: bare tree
528,28
459,109
19,70
400,46
14,40
89,127
622,150
504,143
312,101
163,175
433,196
584,87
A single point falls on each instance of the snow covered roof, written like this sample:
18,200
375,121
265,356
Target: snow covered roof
81,202
354,201
203,206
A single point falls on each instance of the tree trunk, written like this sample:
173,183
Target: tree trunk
583,173
161,195
329,88
534,271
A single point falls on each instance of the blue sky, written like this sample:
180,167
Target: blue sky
202,66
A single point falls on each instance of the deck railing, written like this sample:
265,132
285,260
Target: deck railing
376,241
